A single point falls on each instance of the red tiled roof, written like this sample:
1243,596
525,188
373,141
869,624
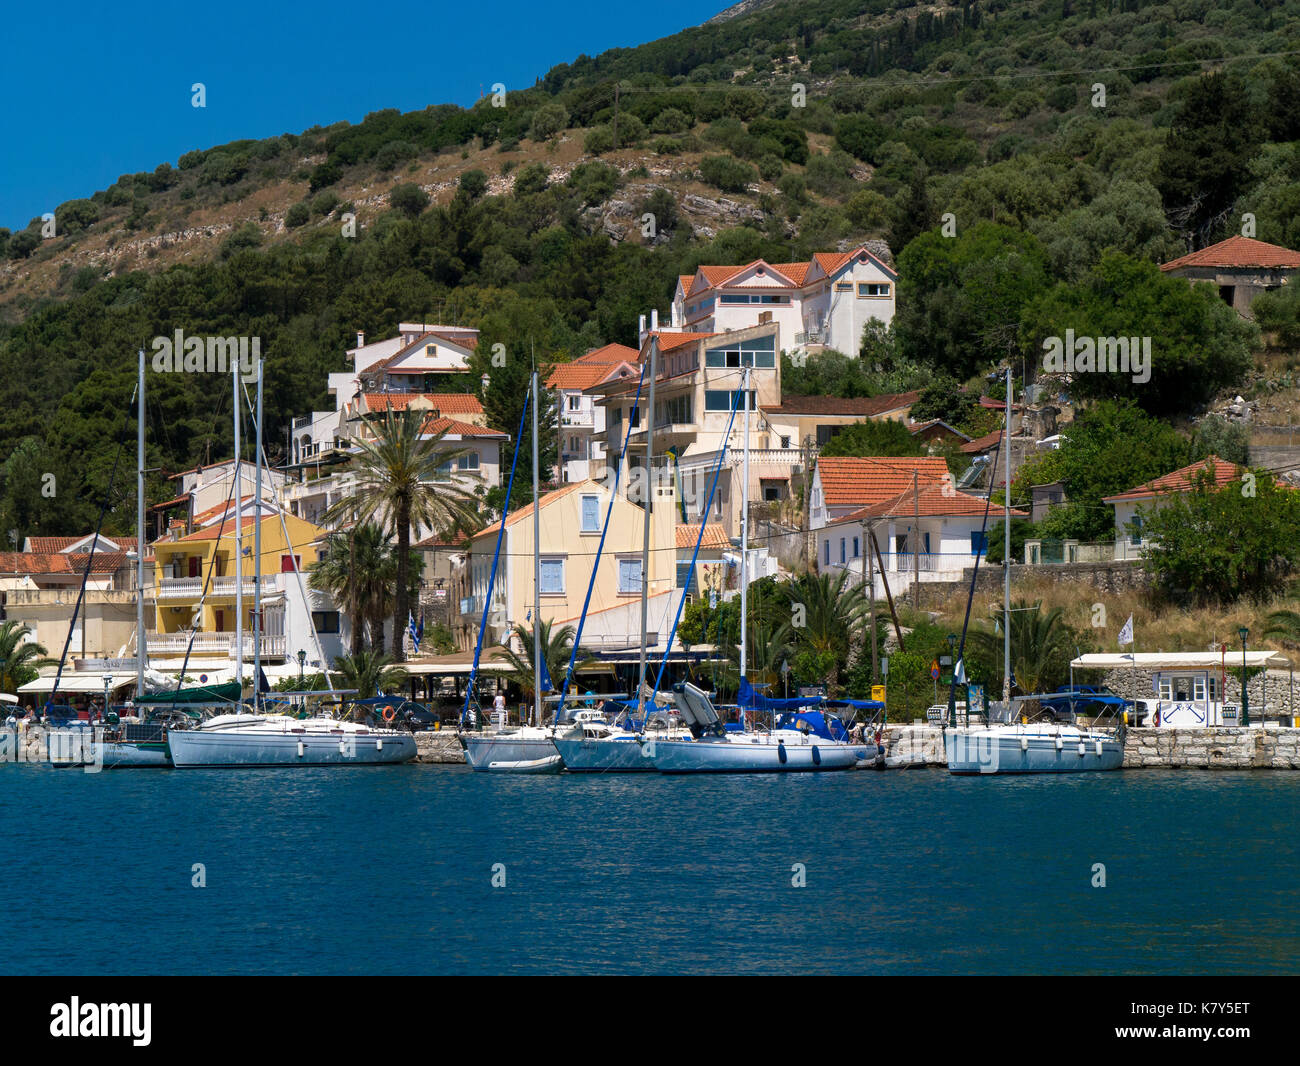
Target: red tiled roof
849,481
35,563
438,541
103,562
684,280
934,500
608,355
1181,480
831,261
211,532
715,537
527,510
669,341
219,509
42,545
982,444
465,429
456,403
577,375
864,407
1240,252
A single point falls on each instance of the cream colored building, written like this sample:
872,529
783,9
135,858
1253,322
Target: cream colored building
571,520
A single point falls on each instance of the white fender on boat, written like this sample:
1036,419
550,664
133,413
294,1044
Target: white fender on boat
300,749
1083,748
379,743
1059,742
1024,743
1099,746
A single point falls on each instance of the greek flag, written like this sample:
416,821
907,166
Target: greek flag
1126,634
412,632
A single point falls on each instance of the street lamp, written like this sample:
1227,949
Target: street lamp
302,663
952,684
1243,632
108,685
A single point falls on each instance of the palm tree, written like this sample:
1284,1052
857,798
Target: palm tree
557,645
359,568
1283,625
368,672
397,477
20,658
826,618
1041,645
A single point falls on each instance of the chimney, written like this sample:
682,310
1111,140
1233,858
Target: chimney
361,339
654,320
640,330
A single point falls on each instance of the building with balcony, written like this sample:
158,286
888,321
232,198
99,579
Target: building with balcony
571,521
580,428
698,381
823,303
41,589
205,490
926,529
197,577
420,354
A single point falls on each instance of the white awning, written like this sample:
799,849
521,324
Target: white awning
1180,660
78,682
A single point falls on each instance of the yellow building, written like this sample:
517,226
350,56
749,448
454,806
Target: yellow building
571,520
187,565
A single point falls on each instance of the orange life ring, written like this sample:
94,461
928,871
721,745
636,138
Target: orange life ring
389,714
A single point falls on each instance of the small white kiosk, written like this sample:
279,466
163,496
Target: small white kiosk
1187,687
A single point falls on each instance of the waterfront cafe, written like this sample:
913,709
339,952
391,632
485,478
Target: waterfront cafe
1187,689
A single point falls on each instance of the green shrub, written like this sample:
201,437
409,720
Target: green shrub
298,215
727,174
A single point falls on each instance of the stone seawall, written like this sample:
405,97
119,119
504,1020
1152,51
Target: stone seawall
439,745
1270,748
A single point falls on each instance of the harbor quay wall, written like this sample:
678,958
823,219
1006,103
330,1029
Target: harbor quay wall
438,745
1270,748
1225,748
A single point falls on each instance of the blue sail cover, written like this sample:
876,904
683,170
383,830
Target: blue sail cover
755,701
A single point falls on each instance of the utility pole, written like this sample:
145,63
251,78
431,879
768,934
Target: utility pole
869,562
916,548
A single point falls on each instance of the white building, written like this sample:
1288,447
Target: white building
581,420
825,302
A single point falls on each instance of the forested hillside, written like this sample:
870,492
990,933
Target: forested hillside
1070,146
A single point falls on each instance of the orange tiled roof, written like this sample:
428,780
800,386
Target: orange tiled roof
103,562
580,375
464,429
527,510
669,341
715,537
1181,480
933,500
35,563
211,532
1240,252
849,481
982,444
457,403
608,355
42,545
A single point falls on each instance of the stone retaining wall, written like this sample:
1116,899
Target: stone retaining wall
439,745
1270,748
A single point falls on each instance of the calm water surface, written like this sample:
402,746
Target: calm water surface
389,870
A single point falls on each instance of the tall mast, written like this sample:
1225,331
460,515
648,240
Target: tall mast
1006,559
257,555
744,533
647,499
141,641
537,575
239,541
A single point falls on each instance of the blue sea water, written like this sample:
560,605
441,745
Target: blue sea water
390,871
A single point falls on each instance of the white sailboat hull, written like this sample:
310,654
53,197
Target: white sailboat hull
484,749
194,748
1030,749
760,754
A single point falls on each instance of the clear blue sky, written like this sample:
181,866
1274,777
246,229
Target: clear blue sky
94,91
